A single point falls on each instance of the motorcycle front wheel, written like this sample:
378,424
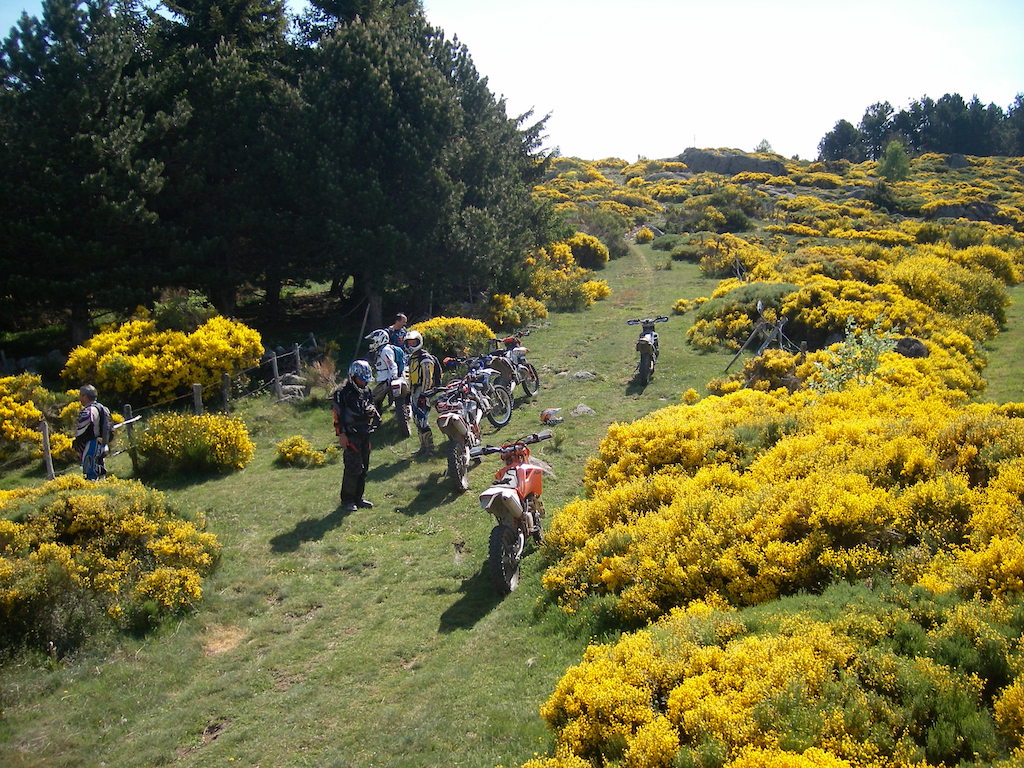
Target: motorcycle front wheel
501,407
531,381
646,368
504,553
458,460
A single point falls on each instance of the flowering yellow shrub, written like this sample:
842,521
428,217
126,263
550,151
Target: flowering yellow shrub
588,251
644,235
296,451
756,494
454,336
70,544
791,689
22,400
136,359
727,255
504,311
595,290
208,443
557,280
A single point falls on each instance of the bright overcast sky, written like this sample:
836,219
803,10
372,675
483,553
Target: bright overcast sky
630,78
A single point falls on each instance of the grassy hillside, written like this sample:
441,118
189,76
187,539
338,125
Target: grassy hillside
374,638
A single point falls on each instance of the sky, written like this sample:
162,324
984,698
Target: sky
649,78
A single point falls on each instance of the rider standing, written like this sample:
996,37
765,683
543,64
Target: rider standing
92,433
423,375
355,419
385,362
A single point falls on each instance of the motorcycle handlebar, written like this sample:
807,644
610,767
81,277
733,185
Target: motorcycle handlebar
536,437
648,320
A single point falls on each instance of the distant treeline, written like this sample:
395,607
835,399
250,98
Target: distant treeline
949,125
221,145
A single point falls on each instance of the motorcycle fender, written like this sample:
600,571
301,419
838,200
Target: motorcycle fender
644,345
503,503
453,426
399,387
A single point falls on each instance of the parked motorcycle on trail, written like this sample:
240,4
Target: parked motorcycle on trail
459,410
460,405
647,346
487,382
515,501
511,364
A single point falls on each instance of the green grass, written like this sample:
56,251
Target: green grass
1005,373
372,638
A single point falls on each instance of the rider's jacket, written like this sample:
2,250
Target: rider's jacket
354,411
385,365
421,369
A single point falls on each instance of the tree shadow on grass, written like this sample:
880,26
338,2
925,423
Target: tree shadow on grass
310,529
478,598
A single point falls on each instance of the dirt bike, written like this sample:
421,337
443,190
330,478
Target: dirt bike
459,409
487,382
647,346
515,501
512,366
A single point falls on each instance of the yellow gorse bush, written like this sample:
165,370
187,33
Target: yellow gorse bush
115,545
208,443
848,690
454,336
23,404
136,359
297,451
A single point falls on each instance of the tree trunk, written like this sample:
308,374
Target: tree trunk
375,319
272,297
78,323
224,298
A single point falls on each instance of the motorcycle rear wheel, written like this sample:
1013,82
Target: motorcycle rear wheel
531,381
501,407
646,368
504,553
457,464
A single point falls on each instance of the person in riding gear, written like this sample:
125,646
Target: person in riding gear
423,374
355,419
385,362
92,433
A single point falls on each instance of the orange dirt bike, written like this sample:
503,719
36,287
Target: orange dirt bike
511,364
647,346
515,501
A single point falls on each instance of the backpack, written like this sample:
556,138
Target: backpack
399,359
105,425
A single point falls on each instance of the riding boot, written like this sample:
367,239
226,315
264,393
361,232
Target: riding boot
426,443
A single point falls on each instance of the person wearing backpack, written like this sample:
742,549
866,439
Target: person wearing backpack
424,374
391,384
93,433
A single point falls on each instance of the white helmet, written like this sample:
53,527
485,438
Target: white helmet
378,339
414,341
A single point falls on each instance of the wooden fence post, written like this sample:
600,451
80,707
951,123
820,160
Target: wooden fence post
298,359
44,427
225,391
277,378
197,398
132,453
